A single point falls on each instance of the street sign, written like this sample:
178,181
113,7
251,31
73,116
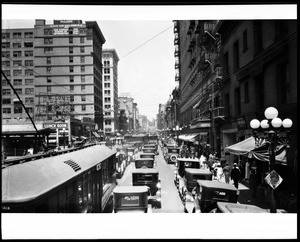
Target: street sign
273,179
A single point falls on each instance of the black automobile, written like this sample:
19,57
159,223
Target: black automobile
204,197
172,153
131,199
149,177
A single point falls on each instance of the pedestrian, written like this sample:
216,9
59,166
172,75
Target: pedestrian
192,149
253,180
219,172
226,172
235,175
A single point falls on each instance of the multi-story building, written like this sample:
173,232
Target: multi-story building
57,71
110,90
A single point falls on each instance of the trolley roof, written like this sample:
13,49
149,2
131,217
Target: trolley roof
27,181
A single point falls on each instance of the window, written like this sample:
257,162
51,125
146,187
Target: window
82,31
29,100
5,45
17,82
72,108
106,78
70,50
71,78
28,44
29,90
106,70
6,101
106,84
17,35
17,45
71,69
28,62
6,91
5,54
107,99
237,101
48,31
81,49
6,63
81,40
17,63
17,108
107,106
246,92
5,35
28,81
6,110
82,87
107,122
17,53
49,79
236,60
28,53
71,40
106,63
245,41
71,98
82,68
71,88
29,109
70,30
71,60
28,35
18,90
48,50
17,72
48,41
82,78
82,59
48,60
49,89
83,98
6,72
28,72
83,107
107,92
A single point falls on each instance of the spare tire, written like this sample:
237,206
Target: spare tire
173,158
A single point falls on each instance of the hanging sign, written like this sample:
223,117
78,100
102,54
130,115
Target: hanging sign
273,179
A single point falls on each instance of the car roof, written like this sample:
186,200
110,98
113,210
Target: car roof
216,184
226,207
144,159
147,154
197,171
188,159
145,170
130,189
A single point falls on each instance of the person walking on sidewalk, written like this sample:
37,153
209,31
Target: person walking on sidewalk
226,172
235,175
253,180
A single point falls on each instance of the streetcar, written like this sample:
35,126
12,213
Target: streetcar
79,180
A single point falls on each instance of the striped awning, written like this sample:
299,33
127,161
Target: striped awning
188,137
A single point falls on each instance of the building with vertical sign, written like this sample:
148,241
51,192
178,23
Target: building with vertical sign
110,90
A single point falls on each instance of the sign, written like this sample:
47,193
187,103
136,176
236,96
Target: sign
273,179
241,122
55,125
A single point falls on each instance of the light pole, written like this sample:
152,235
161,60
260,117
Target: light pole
272,123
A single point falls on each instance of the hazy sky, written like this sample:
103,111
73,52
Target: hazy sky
142,36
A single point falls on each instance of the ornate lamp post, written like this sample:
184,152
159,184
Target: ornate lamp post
272,123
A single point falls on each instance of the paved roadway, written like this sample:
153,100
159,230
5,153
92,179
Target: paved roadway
171,202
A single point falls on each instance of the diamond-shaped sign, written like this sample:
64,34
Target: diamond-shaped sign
273,179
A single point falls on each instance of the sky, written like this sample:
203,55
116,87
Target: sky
141,35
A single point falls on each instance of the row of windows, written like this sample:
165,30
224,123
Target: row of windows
28,100
17,35
19,72
17,63
50,31
27,53
49,50
17,110
18,90
17,45
49,41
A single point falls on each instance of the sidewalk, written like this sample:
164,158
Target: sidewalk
245,196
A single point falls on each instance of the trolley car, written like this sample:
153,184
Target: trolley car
77,180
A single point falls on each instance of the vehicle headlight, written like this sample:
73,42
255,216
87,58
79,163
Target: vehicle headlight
188,197
158,185
158,194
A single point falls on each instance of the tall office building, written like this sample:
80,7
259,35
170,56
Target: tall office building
110,90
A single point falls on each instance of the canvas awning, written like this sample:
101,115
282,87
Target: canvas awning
188,137
258,150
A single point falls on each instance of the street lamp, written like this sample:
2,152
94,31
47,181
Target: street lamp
271,123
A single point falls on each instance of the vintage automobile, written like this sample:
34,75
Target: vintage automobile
171,154
153,144
149,177
147,155
204,197
131,199
144,163
130,153
148,149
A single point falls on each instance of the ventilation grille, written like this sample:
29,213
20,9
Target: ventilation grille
73,164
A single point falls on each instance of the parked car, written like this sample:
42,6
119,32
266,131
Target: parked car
144,163
131,199
206,194
172,154
149,177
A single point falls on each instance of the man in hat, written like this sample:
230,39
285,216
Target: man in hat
235,175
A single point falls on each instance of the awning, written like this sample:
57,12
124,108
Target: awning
188,137
96,134
258,150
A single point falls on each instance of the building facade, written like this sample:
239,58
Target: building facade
110,90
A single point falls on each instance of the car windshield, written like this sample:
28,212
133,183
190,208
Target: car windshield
144,177
173,151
